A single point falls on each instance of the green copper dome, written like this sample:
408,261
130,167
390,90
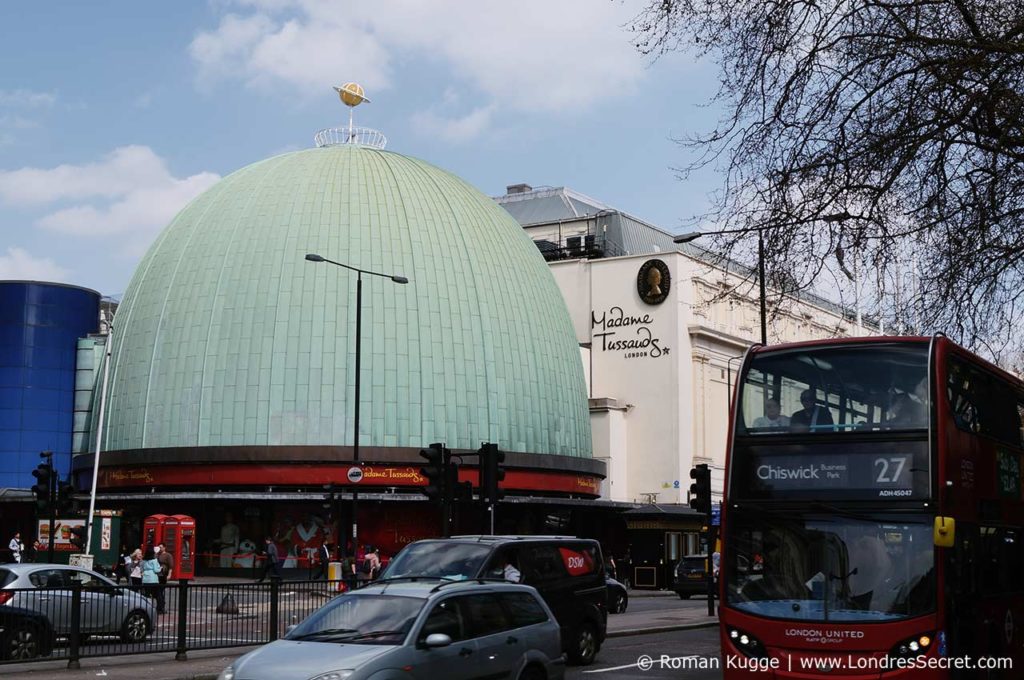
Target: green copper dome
227,336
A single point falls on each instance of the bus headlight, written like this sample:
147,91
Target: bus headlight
915,646
747,643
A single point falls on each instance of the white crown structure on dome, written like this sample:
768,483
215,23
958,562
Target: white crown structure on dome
351,95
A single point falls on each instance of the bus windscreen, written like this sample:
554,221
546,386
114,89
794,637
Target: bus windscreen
860,388
830,568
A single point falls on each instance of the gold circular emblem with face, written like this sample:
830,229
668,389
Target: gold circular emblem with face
653,282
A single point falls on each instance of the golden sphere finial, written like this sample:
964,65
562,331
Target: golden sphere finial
351,94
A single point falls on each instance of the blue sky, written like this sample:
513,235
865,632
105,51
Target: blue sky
113,115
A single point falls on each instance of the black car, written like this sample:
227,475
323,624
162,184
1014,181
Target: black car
24,634
618,597
567,572
691,577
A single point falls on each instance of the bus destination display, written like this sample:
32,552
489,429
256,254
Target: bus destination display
774,472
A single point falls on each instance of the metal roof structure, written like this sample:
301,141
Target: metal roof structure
616,234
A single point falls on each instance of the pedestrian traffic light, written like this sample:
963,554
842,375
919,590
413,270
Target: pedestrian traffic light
492,473
700,490
43,486
78,537
434,472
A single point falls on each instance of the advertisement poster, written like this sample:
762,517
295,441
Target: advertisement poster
62,529
105,531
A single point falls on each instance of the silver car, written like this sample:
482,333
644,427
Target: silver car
106,608
431,629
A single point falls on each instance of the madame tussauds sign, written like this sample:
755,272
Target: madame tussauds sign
617,331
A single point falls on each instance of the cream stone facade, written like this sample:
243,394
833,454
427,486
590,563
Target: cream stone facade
659,375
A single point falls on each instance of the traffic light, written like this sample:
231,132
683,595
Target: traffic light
459,491
330,497
66,503
700,490
434,471
43,486
78,537
492,472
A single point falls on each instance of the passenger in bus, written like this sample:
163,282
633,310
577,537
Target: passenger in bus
812,417
772,418
905,412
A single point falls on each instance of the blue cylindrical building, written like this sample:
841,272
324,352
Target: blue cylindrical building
40,324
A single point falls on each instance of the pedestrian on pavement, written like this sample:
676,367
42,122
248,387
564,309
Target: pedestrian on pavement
124,565
348,571
323,554
166,567
150,574
611,567
135,569
272,564
370,566
16,547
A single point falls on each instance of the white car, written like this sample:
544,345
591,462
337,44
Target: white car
106,607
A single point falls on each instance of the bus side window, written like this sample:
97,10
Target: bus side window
1020,422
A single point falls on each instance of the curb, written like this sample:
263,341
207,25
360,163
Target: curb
661,629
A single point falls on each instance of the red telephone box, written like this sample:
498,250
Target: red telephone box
180,541
153,531
178,534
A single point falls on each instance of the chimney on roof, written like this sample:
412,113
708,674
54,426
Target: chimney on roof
517,189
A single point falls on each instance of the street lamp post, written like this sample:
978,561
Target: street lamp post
313,257
694,235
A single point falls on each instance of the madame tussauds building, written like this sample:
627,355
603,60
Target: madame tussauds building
231,382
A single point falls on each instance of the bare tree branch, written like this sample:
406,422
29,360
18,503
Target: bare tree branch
892,129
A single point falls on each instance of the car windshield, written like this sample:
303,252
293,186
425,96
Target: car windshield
830,568
845,389
361,619
439,559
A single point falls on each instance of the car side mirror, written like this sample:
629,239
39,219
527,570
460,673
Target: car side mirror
436,640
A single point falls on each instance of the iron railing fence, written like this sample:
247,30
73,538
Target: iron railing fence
75,620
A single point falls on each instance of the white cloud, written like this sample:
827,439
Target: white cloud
129,192
26,99
458,129
18,264
535,56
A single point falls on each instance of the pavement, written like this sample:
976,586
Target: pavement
207,664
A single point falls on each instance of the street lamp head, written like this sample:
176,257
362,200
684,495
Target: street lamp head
399,279
687,237
313,257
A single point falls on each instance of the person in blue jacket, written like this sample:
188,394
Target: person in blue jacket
150,573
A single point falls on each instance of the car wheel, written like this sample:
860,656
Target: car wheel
585,646
532,673
621,602
684,596
22,641
136,627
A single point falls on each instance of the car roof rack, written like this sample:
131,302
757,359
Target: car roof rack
482,581
411,577
482,538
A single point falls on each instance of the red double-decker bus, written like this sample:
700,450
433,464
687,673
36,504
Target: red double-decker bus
873,521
